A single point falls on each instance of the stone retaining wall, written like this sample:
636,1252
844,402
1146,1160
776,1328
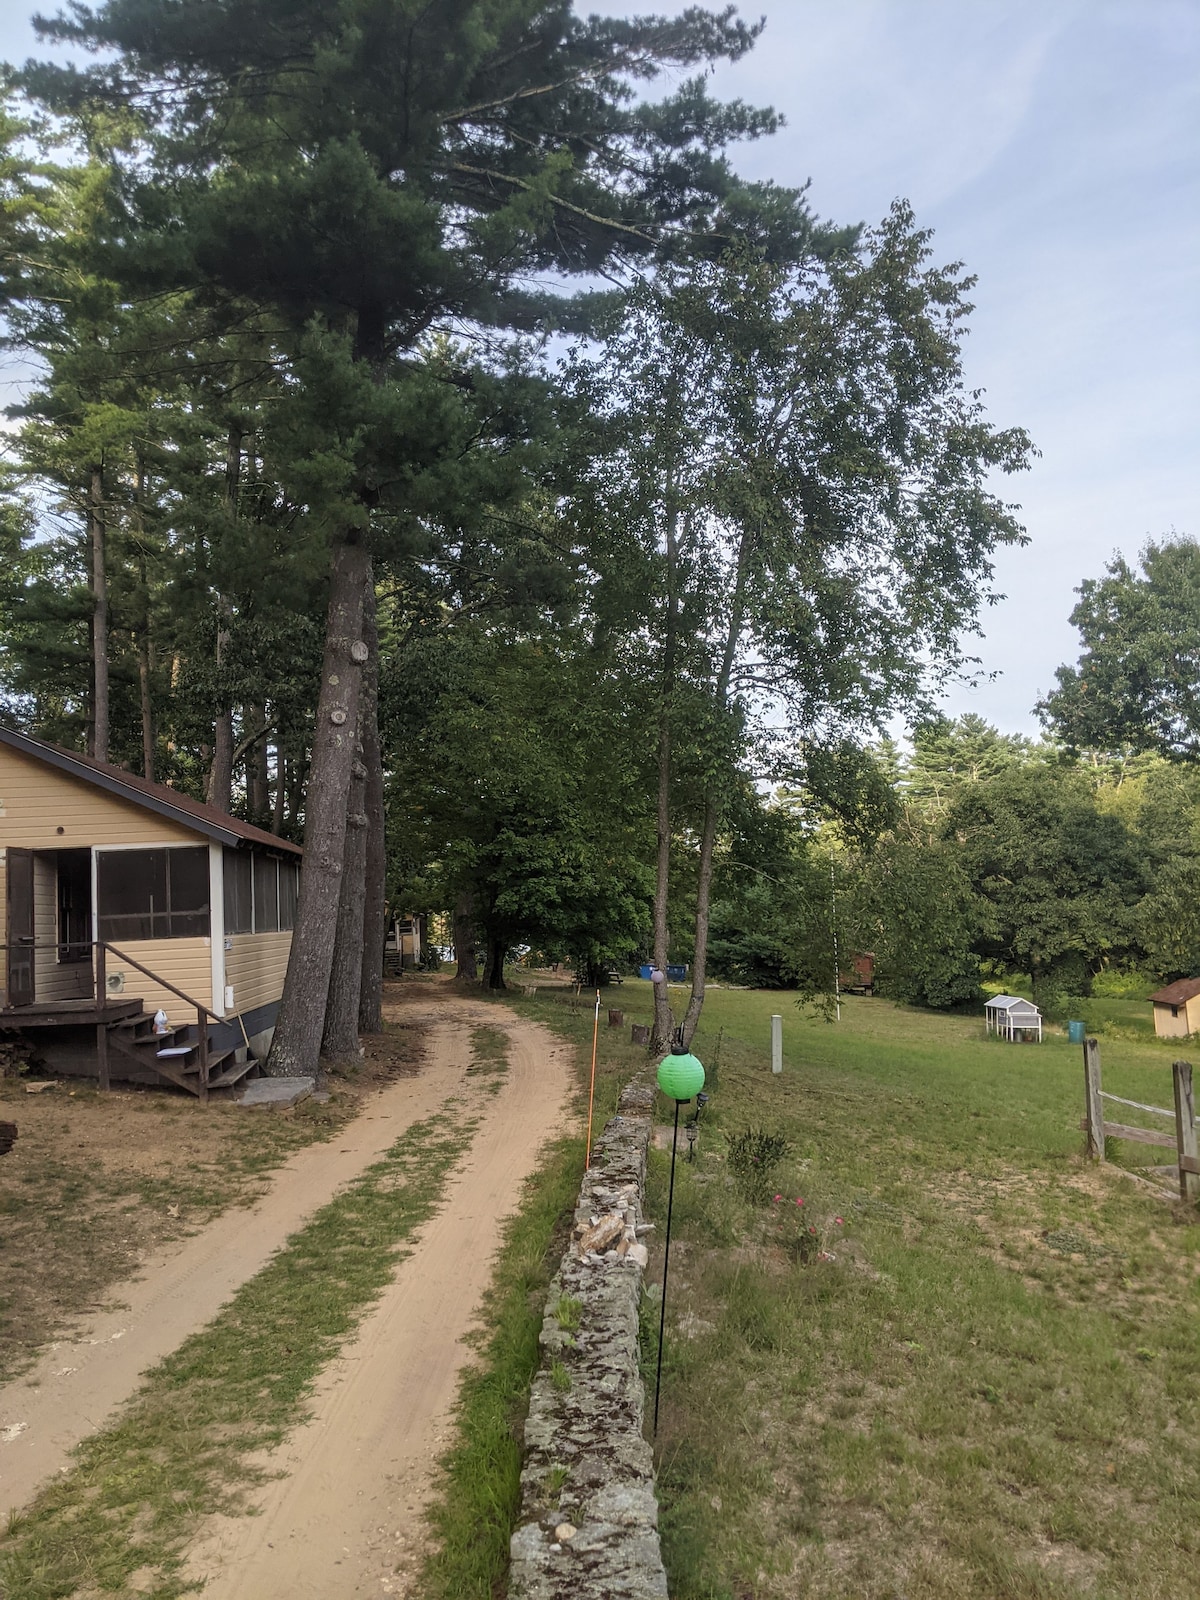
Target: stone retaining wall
589,1518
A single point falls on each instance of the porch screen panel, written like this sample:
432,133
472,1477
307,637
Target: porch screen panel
289,893
239,892
266,894
187,893
152,894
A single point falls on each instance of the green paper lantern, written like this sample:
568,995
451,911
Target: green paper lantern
680,1077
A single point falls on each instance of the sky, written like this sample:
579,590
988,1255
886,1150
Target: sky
1053,146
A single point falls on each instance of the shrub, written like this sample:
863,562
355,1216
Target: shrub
753,1157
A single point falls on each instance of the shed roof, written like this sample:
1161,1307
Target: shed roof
156,797
1177,993
1006,1002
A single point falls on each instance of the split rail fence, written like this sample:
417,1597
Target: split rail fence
1184,1139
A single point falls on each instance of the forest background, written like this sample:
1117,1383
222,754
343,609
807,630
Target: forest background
612,588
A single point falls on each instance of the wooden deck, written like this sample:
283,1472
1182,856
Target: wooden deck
68,1013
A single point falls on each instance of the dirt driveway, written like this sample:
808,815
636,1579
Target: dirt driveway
346,1514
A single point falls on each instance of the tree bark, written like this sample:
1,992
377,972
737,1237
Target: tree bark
280,790
466,965
143,633
712,805
220,773
370,1001
664,1022
493,972
258,781
339,1041
96,539
297,1043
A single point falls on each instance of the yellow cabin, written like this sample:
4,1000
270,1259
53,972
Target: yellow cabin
123,901
1177,1009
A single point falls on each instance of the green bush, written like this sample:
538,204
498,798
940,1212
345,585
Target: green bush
753,1158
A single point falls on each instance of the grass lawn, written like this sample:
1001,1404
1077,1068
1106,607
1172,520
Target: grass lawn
984,1380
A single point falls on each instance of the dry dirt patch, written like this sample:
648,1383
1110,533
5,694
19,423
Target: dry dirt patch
98,1183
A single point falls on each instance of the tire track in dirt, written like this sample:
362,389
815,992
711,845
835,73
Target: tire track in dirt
345,1515
79,1382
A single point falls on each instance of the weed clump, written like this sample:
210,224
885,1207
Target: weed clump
753,1158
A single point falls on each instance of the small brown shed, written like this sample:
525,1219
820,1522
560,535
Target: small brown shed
1177,1009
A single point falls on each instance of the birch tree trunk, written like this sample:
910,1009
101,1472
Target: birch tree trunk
374,920
298,1032
664,1022
712,798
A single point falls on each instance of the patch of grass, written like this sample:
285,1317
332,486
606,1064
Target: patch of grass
489,1055
183,1448
480,1497
979,1390
567,1312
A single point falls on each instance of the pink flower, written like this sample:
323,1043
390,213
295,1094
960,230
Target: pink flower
839,1222
778,1198
799,1202
811,1229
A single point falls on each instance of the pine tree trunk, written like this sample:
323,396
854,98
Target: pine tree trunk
147,707
370,1002
258,780
220,772
466,967
339,1042
280,791
297,1043
143,637
96,537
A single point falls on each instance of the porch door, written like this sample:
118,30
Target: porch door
19,929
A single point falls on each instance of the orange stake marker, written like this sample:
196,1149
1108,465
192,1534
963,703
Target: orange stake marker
592,1090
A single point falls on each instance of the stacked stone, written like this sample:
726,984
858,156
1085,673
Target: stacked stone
589,1517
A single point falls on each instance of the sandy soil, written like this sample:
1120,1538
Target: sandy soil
344,1518
79,1382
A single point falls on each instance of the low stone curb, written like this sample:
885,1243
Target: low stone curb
589,1517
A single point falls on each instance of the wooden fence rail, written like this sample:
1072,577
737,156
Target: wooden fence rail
1183,1141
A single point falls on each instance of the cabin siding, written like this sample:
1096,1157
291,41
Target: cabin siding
36,800
1167,1026
255,967
187,963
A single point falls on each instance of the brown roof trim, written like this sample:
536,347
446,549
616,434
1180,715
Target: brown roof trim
156,797
1177,993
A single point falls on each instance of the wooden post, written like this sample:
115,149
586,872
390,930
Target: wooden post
776,1044
202,1036
102,1022
1093,1102
1185,1132
616,1019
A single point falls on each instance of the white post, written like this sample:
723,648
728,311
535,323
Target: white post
776,1044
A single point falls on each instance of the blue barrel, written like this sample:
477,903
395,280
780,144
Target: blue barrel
1075,1032
645,971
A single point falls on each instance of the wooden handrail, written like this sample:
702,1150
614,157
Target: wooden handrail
163,983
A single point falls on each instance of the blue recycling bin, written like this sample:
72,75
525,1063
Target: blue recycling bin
1075,1032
